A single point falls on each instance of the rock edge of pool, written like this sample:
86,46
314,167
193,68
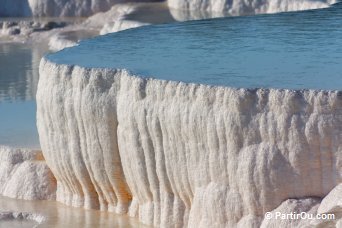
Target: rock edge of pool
173,153
263,51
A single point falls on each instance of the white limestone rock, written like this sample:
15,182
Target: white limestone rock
22,31
292,208
21,216
116,12
198,8
60,41
331,205
69,8
55,8
185,155
25,175
332,202
120,25
58,35
187,15
115,19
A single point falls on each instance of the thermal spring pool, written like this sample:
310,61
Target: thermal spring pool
295,50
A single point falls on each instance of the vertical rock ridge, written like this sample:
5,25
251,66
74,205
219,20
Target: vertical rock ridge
88,171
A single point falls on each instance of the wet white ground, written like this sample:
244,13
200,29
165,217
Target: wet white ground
58,215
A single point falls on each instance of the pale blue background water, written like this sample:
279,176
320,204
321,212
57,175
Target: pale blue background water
18,85
288,50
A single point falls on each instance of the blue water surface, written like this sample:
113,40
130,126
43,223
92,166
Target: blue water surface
18,86
296,50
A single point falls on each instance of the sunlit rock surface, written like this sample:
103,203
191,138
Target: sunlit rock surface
330,205
69,38
294,206
119,17
215,8
120,25
185,155
25,175
62,32
56,8
332,202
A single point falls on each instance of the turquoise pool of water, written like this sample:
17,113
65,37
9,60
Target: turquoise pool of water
296,50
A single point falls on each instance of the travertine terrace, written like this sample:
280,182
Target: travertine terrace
237,7
188,155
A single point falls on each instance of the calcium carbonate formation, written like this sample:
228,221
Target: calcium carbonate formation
55,8
196,8
189,155
22,217
25,175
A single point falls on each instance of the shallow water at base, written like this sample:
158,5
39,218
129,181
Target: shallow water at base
18,85
297,50
17,223
60,216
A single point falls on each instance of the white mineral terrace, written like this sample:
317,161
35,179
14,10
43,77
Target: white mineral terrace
58,8
209,123
238,7
187,155
177,154
126,127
